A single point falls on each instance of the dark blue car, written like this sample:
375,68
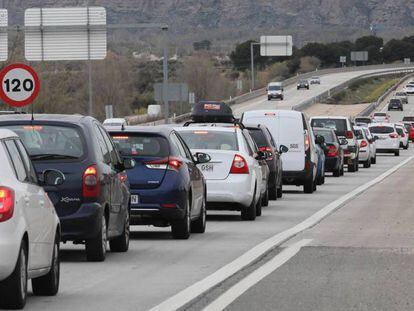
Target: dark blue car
93,201
167,188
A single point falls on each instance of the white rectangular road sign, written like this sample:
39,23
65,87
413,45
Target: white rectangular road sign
65,34
4,23
359,56
276,45
342,59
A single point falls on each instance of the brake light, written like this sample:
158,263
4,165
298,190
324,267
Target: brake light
239,165
6,203
307,142
349,135
265,149
90,186
332,151
123,177
170,163
394,135
363,144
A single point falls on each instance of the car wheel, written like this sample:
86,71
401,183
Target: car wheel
374,160
367,164
309,186
199,225
337,172
48,285
14,288
121,244
351,167
280,191
181,228
265,198
259,207
269,98
356,164
249,212
342,170
397,153
273,189
96,247
406,146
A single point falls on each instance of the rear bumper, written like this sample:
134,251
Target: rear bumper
332,164
84,224
275,96
297,177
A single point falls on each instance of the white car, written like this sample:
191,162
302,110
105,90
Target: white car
233,176
29,226
372,144
409,89
404,136
115,123
315,80
275,90
380,117
402,96
364,147
387,138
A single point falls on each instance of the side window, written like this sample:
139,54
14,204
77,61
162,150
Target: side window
101,142
16,160
115,158
185,147
178,145
248,146
272,141
27,162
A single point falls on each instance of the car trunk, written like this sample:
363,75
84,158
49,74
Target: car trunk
219,166
143,177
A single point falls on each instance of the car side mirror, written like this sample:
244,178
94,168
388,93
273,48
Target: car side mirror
52,178
283,149
260,155
376,138
343,142
320,140
202,158
129,164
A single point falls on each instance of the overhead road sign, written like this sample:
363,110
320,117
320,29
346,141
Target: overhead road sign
54,34
4,46
20,85
276,45
359,56
175,92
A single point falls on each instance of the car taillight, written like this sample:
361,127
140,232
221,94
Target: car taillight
394,135
332,151
123,177
363,144
349,135
265,149
170,163
268,152
239,165
6,203
91,186
307,142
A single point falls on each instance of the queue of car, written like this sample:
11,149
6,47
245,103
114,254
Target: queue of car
67,178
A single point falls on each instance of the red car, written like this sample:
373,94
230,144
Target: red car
410,128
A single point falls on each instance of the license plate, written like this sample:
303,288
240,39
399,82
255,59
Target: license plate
207,168
134,199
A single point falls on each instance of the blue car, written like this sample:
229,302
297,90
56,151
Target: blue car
167,188
320,151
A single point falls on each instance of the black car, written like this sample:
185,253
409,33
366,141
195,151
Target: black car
395,104
334,154
93,202
264,140
167,188
303,84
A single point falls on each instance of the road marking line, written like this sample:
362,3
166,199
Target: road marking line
193,291
255,277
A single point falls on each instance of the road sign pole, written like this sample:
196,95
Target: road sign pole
165,72
252,44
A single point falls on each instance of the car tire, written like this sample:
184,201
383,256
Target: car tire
367,164
357,165
342,170
351,167
406,146
273,189
265,198
121,244
199,225
280,191
337,172
48,285
269,98
374,160
309,186
14,288
282,98
96,247
259,206
181,228
397,153
249,212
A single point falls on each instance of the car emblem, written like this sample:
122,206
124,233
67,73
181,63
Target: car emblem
69,200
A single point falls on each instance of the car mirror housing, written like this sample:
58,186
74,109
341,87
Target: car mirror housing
260,156
283,149
129,164
52,178
343,142
202,158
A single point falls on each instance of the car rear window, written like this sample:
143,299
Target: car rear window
363,120
338,125
380,114
141,145
50,141
394,100
259,137
211,140
400,94
411,119
381,129
328,135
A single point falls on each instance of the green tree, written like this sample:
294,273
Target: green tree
241,56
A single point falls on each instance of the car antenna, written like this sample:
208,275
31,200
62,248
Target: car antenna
123,127
32,113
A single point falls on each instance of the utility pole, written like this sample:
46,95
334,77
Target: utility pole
252,44
90,105
165,72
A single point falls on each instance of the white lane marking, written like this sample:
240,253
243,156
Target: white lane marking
193,291
255,277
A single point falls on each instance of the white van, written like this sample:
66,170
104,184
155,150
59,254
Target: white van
275,90
291,129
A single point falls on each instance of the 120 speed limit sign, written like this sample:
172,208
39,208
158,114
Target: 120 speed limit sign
20,85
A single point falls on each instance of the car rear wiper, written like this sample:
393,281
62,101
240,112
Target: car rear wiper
52,157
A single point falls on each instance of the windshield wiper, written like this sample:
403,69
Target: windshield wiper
52,157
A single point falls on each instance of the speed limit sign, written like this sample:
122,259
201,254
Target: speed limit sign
20,85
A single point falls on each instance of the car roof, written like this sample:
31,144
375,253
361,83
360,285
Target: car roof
330,117
70,118
381,124
277,112
115,120
230,129
159,129
5,133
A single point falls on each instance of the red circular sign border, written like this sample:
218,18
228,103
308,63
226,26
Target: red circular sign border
28,101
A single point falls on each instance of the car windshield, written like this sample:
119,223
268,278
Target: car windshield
303,81
141,145
50,141
411,119
274,87
381,129
211,140
400,94
395,101
338,125
258,137
328,135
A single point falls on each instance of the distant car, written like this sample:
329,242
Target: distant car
29,226
402,96
395,104
410,129
408,119
343,129
315,80
93,201
275,91
387,137
334,154
404,136
409,89
167,187
303,84
364,148
266,143
115,123
381,117
233,176
366,120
